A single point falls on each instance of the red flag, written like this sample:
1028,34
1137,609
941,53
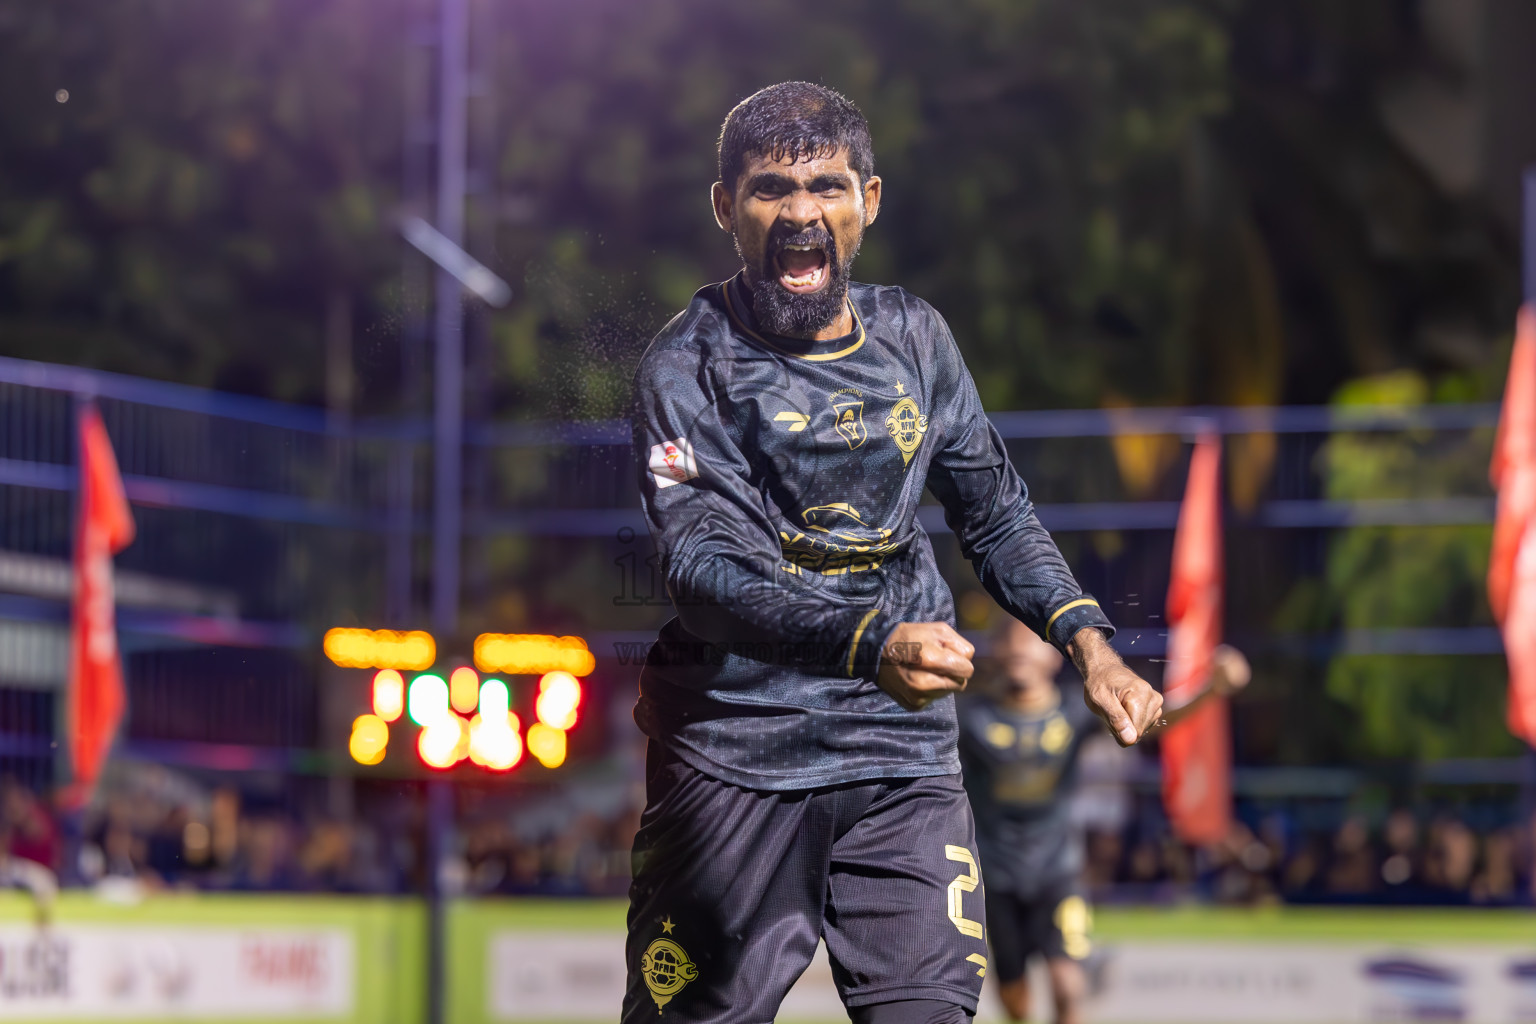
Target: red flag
1197,752
1512,562
1519,629
1513,470
105,526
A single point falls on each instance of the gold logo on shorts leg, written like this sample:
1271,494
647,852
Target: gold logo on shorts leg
907,426
666,969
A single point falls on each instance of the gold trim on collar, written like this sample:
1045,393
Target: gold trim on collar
1080,602
820,357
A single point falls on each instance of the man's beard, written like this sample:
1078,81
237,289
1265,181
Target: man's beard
798,314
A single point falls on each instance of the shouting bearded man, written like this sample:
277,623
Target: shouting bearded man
803,781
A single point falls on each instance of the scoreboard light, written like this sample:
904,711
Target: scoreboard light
462,716
380,648
464,690
370,739
495,699
445,742
559,697
547,743
494,742
427,700
388,694
533,654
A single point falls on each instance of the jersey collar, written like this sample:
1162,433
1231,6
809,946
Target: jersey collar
737,299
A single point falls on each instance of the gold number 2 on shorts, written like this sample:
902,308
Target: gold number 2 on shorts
963,884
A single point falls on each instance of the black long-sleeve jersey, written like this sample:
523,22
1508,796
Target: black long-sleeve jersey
780,479
1021,771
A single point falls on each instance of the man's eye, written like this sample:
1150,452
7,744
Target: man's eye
832,191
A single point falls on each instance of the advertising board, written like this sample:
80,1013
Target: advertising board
1332,967
196,958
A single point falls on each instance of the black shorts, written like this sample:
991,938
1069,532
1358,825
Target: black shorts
733,887
1055,924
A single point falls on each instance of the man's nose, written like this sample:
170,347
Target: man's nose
800,210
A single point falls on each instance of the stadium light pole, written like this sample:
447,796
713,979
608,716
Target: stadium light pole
448,442
456,270
448,314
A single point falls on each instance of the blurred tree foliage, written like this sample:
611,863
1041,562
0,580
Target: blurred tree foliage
1116,201
1403,577
1113,201
184,185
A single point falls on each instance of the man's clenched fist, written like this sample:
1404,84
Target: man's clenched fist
1123,699
922,661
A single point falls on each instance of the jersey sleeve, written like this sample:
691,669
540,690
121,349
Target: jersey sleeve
987,506
718,550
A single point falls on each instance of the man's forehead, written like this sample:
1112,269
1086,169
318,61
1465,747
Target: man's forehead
802,168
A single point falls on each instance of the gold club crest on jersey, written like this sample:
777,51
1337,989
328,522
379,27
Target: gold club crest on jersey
666,969
848,416
907,427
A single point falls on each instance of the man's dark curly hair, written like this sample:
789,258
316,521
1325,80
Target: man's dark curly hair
794,119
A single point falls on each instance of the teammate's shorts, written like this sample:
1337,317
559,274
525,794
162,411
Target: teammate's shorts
733,887
1057,923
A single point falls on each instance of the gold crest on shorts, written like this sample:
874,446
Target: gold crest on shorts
666,969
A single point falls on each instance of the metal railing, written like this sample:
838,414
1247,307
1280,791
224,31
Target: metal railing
300,520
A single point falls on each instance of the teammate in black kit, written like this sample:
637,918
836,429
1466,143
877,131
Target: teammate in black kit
1019,747
803,776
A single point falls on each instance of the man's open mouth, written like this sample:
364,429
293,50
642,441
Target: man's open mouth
802,268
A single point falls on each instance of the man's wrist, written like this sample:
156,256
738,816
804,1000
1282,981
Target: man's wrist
1090,650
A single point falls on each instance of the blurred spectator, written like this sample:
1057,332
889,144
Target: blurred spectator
224,827
1402,870
27,829
488,851
568,844
1352,870
264,861
1452,856
1303,872
325,859
165,848
1240,866
1496,882
122,852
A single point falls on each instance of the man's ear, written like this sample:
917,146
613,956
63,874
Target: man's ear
871,199
725,206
